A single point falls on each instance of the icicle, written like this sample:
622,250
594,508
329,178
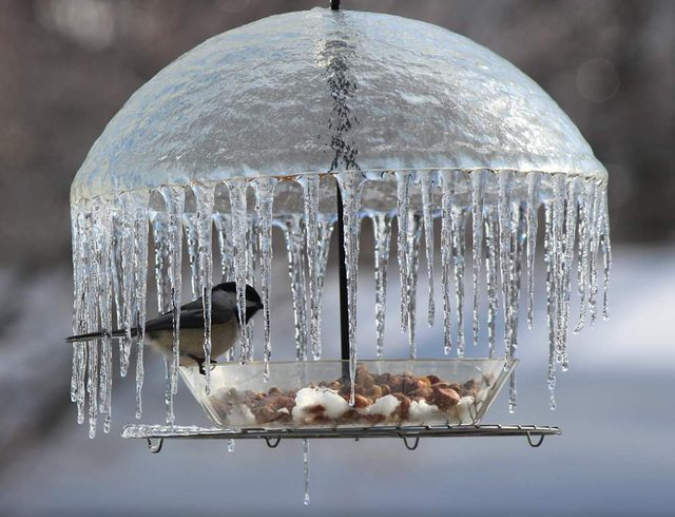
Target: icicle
458,227
491,233
533,182
91,290
190,222
412,261
596,229
295,241
125,240
513,393
141,267
586,218
251,255
567,257
239,225
504,208
519,233
427,185
264,188
230,445
92,385
550,300
478,179
305,459
174,199
403,180
103,222
557,222
310,186
350,187
325,232
447,243
382,233
606,247
224,228
162,232
204,197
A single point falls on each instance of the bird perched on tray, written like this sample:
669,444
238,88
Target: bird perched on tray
225,326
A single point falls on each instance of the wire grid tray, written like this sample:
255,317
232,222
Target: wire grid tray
411,435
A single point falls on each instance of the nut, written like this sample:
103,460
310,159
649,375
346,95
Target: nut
433,379
376,392
404,408
446,397
360,401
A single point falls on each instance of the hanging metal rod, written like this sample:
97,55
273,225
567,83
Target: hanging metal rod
335,5
344,300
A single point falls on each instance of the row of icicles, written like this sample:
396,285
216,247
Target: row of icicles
111,241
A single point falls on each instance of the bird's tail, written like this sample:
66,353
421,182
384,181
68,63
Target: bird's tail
98,335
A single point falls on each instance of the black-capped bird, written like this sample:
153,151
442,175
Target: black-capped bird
225,326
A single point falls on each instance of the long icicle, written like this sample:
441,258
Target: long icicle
586,218
549,254
558,214
350,184
448,199
403,180
141,267
533,183
491,245
382,233
103,221
238,190
125,232
412,261
174,199
518,240
478,179
568,259
504,211
264,189
458,250
91,314
204,198
596,226
310,185
223,224
325,232
295,247
606,252
427,183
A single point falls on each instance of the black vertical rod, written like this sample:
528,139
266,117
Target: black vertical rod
335,5
344,301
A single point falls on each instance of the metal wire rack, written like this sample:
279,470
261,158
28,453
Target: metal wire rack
411,435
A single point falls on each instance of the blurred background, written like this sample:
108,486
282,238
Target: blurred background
67,66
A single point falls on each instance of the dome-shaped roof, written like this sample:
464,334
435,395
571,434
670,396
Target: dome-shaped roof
321,90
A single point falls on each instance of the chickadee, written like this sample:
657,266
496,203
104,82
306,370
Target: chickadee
225,326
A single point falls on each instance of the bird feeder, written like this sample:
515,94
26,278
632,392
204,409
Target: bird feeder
322,118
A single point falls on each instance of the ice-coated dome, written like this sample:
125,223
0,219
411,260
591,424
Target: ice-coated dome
323,90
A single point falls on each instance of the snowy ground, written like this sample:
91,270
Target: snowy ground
615,456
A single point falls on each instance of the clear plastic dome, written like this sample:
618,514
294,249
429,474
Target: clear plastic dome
269,98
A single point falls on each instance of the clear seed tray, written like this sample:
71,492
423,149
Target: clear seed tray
318,394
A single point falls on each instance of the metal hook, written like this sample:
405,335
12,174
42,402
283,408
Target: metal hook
414,444
272,444
533,444
157,447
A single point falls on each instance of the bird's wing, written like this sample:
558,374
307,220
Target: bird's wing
190,318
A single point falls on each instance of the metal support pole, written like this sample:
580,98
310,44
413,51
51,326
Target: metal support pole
344,301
